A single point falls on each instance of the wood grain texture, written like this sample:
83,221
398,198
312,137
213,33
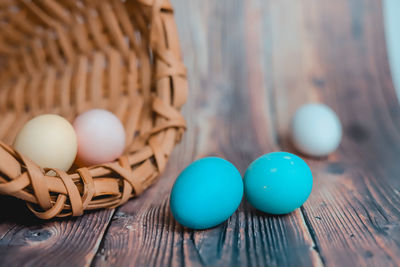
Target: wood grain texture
28,241
251,64
226,105
354,209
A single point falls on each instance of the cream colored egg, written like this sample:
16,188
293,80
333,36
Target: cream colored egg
48,140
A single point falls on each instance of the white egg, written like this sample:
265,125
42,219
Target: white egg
48,140
316,130
101,137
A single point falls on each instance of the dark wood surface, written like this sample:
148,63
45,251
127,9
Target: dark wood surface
251,64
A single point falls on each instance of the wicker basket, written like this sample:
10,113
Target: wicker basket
68,56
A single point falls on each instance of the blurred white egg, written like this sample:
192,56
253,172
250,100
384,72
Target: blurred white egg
316,130
101,137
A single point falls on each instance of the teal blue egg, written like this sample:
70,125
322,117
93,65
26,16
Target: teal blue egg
206,193
278,183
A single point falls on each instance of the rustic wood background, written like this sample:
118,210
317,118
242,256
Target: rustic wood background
251,64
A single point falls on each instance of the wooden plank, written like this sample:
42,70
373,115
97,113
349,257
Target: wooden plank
28,241
354,210
228,115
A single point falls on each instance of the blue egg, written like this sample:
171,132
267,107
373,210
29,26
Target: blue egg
206,193
278,183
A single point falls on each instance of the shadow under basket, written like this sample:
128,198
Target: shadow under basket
66,57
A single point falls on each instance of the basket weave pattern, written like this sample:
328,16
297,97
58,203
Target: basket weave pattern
66,57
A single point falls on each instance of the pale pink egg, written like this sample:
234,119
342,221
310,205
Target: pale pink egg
101,137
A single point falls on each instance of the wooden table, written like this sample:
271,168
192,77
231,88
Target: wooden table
250,65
